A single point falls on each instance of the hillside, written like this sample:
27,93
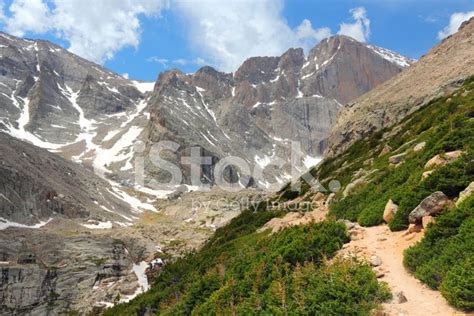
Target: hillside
243,269
436,74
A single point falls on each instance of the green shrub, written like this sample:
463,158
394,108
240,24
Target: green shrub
443,258
263,274
458,285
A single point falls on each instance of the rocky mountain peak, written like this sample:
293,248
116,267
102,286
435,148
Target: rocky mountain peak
257,69
436,73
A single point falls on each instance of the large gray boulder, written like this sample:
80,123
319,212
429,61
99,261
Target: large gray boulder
431,205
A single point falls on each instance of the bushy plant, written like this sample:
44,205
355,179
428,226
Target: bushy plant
443,259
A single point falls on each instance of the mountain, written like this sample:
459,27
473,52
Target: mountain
90,115
268,102
434,75
67,134
389,222
38,186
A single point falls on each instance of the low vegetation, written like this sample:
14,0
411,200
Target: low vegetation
445,125
240,271
444,259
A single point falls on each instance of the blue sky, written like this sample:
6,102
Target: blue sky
144,37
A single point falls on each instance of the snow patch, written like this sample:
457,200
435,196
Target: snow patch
4,224
99,225
391,56
310,162
144,87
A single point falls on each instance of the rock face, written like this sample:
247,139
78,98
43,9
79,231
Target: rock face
243,113
442,69
431,205
36,185
389,211
396,159
59,101
41,277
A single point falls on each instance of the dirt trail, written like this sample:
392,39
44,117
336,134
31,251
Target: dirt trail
388,247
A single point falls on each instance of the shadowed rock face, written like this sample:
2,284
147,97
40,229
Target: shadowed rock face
435,74
36,185
43,76
268,102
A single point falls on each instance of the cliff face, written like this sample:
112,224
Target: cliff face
36,186
443,68
269,101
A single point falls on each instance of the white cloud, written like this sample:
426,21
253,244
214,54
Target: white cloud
126,75
95,30
455,22
224,32
155,59
27,15
228,32
360,28
197,61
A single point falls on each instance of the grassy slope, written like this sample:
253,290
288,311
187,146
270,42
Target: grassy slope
244,272
445,125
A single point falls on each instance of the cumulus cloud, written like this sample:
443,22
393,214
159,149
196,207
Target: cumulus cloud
228,32
224,32
360,28
95,30
27,15
455,22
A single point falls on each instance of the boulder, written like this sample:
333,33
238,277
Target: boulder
396,159
443,159
467,192
414,228
399,298
431,205
385,150
426,174
318,197
352,186
375,261
419,147
389,211
426,220
329,199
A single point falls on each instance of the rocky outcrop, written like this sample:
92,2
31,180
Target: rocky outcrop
419,147
467,192
443,159
438,72
36,185
396,159
389,211
41,277
430,206
242,114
